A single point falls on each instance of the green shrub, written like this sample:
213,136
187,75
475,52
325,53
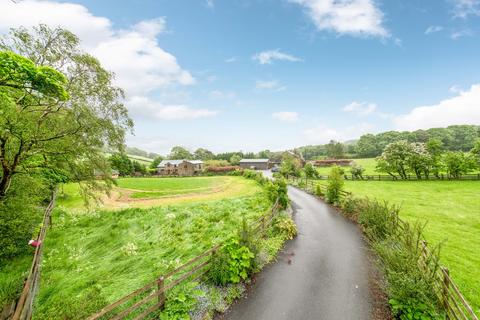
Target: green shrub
231,264
357,171
283,225
349,205
180,301
318,190
410,289
334,185
302,184
20,216
248,238
278,190
378,218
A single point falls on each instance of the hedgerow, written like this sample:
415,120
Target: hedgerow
397,244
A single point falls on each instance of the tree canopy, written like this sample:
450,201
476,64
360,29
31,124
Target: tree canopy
60,109
179,152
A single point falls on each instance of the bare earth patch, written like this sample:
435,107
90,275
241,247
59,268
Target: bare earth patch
121,198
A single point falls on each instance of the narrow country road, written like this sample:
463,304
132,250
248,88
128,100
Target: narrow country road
321,274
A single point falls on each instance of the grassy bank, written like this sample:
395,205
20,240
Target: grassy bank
451,210
93,258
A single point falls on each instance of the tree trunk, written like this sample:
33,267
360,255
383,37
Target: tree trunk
5,183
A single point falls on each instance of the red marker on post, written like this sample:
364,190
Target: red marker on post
34,243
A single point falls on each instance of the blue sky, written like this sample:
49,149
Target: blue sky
274,74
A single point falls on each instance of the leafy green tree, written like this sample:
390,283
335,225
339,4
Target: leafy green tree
122,164
476,151
179,152
138,167
394,160
367,146
24,88
334,185
419,160
59,107
357,171
435,148
464,137
290,166
265,154
156,162
310,171
335,150
235,160
458,163
203,154
250,155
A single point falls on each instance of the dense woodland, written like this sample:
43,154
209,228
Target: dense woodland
453,138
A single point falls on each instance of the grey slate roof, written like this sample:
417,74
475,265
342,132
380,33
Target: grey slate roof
254,160
177,162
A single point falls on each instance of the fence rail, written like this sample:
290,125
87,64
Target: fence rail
386,177
151,298
454,303
24,306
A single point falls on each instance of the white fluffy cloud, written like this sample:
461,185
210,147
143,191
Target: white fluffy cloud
210,4
354,17
461,109
464,8
286,116
134,54
321,133
267,57
433,29
149,109
272,85
360,108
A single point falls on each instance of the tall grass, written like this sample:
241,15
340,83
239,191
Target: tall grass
93,258
411,287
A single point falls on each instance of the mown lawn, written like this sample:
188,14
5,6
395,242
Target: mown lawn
368,164
166,190
92,258
451,210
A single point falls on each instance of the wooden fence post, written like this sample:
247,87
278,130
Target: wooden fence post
446,283
161,292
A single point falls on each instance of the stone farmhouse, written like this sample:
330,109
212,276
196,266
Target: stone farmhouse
179,167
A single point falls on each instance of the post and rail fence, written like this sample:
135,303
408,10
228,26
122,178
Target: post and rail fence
454,303
24,305
410,177
151,298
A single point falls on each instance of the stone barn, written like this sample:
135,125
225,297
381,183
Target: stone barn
179,167
255,164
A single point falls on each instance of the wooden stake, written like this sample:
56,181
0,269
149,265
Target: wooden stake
161,291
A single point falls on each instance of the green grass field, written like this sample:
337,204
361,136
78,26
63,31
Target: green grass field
94,257
143,191
140,159
451,210
368,164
